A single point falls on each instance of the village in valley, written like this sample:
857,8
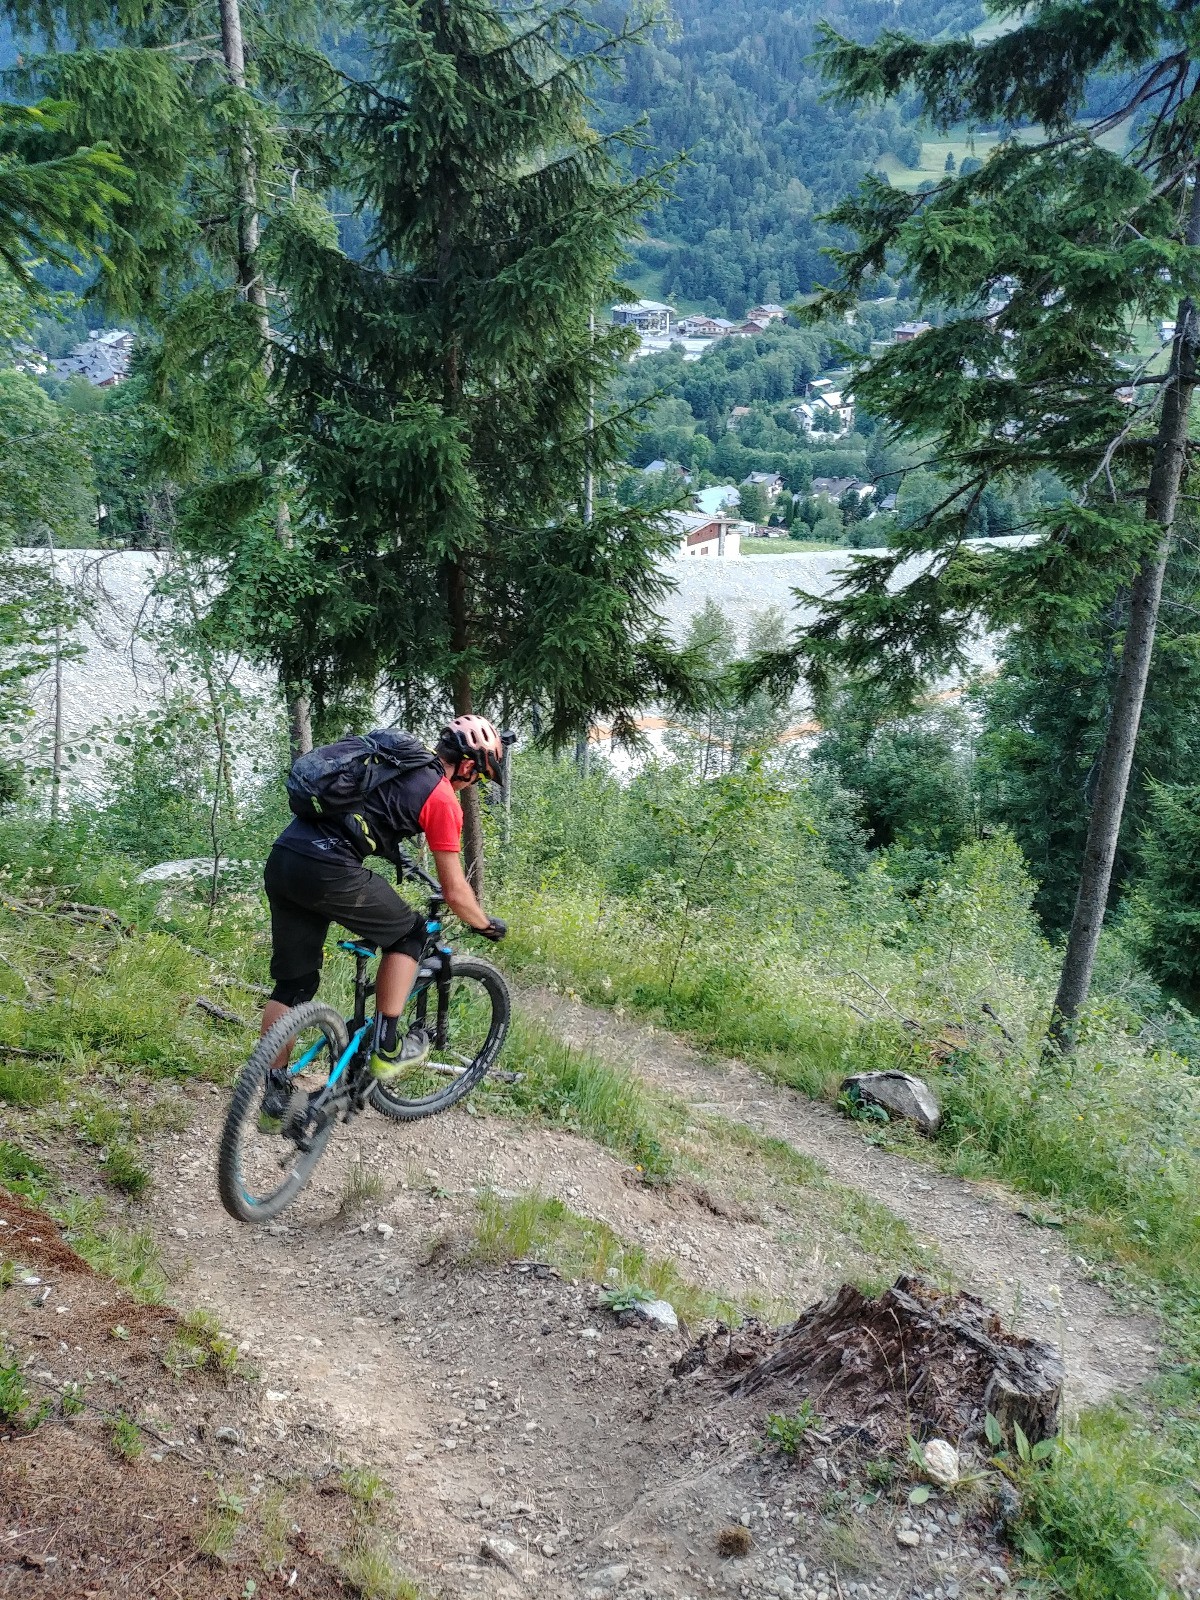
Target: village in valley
718,522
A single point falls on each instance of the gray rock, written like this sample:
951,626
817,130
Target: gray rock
900,1094
228,1436
660,1312
609,1578
172,871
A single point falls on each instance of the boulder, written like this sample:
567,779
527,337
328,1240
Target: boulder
900,1095
941,1463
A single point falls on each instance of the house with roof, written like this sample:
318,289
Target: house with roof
102,359
722,497
736,415
753,326
771,482
702,535
647,316
767,313
834,488
702,327
673,467
826,411
908,331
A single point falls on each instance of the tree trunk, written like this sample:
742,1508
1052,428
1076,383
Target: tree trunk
56,757
300,736
1116,760
463,700
251,283
249,280
913,1362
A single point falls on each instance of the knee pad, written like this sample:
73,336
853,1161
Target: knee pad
295,991
412,944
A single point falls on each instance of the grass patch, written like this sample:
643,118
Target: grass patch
21,1173
25,1083
365,1488
125,1438
372,1574
15,1400
222,1520
125,1172
1091,1523
787,1431
130,1256
576,1089
200,1346
362,1188
534,1225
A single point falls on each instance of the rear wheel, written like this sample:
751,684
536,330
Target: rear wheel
476,1024
268,1152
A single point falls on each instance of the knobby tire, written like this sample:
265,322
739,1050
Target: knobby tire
392,1102
244,1109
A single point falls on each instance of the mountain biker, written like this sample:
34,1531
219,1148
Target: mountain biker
314,875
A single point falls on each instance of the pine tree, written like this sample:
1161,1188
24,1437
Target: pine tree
440,389
1043,262
208,146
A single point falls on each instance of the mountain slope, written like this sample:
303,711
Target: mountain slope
738,91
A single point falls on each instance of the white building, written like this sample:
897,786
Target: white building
702,535
647,316
825,406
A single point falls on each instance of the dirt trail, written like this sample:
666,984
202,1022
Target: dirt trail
1022,1269
504,1405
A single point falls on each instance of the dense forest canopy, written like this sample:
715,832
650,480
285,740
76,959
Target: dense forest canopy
737,91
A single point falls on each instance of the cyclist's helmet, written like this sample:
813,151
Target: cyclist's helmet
473,739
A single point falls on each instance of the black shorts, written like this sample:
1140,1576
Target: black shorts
306,895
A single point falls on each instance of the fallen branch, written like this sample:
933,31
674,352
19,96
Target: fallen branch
76,911
220,1012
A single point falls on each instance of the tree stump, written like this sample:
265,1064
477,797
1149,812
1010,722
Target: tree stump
913,1362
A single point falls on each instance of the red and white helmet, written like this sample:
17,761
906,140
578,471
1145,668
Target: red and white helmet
471,738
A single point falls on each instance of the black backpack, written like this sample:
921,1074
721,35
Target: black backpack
328,783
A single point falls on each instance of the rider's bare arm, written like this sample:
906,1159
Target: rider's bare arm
456,891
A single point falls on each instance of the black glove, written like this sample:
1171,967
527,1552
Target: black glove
494,931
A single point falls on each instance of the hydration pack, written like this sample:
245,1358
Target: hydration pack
328,783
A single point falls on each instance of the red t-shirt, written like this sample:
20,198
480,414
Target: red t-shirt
441,818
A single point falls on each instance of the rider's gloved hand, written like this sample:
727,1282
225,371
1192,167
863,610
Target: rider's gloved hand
495,930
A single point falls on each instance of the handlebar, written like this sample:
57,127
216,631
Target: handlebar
408,868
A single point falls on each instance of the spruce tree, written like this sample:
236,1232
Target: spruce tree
1038,267
440,390
207,136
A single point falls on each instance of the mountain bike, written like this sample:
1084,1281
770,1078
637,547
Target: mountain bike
463,1004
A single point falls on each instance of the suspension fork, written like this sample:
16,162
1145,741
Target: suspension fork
442,982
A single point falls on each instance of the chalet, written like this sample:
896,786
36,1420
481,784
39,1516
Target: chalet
702,535
701,327
752,326
102,359
826,406
736,415
767,313
907,331
770,481
834,488
673,467
647,316
714,501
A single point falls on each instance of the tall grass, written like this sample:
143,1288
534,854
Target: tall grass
534,1226
575,1089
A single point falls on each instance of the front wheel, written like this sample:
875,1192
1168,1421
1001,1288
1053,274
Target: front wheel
469,1024
268,1152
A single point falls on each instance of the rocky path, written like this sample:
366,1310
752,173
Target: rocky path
1024,1270
534,1448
